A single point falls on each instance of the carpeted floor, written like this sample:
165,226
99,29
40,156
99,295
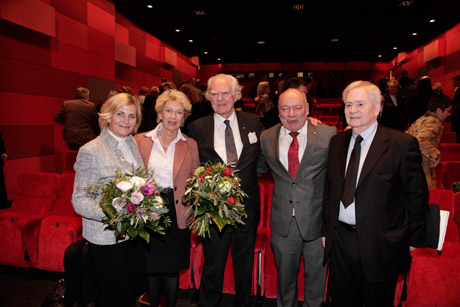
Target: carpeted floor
21,287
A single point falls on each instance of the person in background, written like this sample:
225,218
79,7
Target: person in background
79,118
393,111
437,88
229,136
173,158
296,152
143,91
118,264
149,115
3,194
375,203
200,107
264,106
455,118
417,101
428,130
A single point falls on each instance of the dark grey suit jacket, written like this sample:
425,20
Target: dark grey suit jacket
305,191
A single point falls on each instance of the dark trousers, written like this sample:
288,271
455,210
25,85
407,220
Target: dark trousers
348,284
119,272
3,195
215,258
80,286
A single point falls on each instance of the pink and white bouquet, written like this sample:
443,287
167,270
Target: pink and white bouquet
132,203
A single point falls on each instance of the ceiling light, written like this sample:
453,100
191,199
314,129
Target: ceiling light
199,13
150,6
205,52
334,40
260,42
190,40
406,3
414,34
432,20
379,56
177,30
298,7
395,48
218,59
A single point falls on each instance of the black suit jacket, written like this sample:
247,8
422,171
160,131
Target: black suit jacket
202,130
391,201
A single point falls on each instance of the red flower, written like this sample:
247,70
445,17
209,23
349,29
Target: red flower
232,200
227,172
201,177
209,169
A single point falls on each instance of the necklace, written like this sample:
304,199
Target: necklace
161,141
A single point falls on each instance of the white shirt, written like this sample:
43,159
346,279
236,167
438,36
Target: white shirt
219,135
162,162
348,215
285,140
395,101
127,154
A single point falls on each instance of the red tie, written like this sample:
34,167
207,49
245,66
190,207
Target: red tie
293,154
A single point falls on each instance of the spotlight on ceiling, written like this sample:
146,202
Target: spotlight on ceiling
150,6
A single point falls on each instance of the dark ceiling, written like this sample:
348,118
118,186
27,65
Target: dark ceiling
323,30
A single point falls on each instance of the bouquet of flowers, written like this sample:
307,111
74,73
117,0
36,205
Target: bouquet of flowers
132,203
216,196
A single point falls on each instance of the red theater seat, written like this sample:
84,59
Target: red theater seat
451,173
60,228
449,151
37,193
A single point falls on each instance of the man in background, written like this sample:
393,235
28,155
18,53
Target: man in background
79,118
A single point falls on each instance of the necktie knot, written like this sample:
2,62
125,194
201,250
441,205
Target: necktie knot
294,134
227,123
358,139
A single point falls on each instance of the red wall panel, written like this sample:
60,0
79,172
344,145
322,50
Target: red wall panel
71,31
75,9
32,14
101,20
122,34
137,41
77,60
147,65
152,50
101,43
33,110
125,53
23,44
28,141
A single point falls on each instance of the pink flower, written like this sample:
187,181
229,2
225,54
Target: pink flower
130,208
137,198
154,216
147,190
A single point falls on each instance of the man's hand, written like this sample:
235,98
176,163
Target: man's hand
433,164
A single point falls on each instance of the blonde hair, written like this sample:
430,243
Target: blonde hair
113,104
263,85
173,95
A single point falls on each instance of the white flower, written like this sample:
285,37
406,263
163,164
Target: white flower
118,203
124,186
158,201
252,137
225,187
137,181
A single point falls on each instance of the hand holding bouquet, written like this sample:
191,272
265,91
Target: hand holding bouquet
132,203
216,197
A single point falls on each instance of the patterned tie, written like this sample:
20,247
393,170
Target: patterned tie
293,154
230,147
349,186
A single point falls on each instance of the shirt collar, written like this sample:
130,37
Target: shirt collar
220,120
154,134
368,133
303,131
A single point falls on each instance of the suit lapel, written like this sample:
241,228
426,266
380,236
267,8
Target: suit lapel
180,153
343,144
378,147
312,139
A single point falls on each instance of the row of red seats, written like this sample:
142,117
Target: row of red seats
41,222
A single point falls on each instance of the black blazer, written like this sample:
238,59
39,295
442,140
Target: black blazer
202,130
391,201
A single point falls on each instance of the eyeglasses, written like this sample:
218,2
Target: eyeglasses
225,95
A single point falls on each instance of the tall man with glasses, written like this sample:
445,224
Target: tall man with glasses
229,136
296,153
375,203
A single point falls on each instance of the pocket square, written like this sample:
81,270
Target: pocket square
252,137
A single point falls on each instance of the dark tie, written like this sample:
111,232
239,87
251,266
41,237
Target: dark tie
293,154
349,185
230,147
